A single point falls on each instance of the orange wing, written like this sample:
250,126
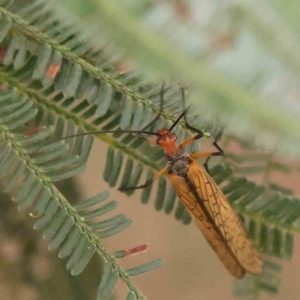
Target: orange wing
204,224
228,223
217,220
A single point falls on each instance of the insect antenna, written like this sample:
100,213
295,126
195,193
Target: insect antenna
178,119
94,133
139,132
183,114
160,108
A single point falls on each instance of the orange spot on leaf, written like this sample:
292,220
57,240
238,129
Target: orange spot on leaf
53,70
137,250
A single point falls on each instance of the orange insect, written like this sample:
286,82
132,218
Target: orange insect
202,198
205,201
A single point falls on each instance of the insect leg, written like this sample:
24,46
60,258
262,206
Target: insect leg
147,183
200,133
215,143
191,140
220,152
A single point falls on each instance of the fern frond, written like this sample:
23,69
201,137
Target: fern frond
28,170
251,161
76,76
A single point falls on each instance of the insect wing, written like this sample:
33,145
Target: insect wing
202,221
227,221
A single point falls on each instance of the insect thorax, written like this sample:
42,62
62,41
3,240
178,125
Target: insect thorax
179,163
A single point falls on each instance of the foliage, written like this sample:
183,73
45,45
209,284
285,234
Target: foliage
232,55
56,83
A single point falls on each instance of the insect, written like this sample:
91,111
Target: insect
202,198
205,201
